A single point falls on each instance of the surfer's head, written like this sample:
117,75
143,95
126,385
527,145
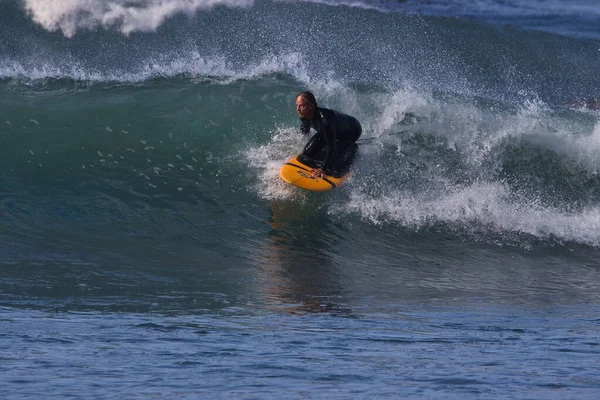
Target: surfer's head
306,104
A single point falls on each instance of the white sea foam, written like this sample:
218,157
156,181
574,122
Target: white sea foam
538,123
17,70
189,63
475,207
70,16
583,147
479,131
268,160
393,109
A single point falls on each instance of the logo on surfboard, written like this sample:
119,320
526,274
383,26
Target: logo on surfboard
300,172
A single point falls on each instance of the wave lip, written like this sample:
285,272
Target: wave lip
191,64
480,208
578,18
69,16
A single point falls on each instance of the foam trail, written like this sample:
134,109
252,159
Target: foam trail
269,158
69,16
479,206
537,122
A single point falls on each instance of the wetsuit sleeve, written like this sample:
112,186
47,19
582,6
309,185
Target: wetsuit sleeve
329,134
305,126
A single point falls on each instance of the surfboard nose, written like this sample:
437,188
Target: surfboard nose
290,178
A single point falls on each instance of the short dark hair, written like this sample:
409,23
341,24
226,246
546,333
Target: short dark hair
308,96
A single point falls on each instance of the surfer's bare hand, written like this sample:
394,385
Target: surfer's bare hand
318,173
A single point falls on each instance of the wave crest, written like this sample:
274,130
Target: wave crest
190,64
69,16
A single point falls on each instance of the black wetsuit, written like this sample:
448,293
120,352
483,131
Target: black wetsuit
335,130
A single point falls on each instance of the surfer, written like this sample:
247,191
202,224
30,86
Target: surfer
336,131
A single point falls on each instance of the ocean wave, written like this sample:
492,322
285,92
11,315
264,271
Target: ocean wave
478,208
127,16
190,64
242,40
68,16
495,169
464,124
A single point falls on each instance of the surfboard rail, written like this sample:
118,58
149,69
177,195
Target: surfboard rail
299,174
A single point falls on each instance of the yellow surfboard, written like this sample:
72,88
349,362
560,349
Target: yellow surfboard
299,174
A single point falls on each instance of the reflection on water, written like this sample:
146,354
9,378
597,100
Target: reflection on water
309,262
297,269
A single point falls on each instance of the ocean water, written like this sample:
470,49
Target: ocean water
148,248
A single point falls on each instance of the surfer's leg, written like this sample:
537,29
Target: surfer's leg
345,152
354,133
346,146
341,149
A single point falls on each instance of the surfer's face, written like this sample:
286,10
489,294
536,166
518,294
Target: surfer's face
304,108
